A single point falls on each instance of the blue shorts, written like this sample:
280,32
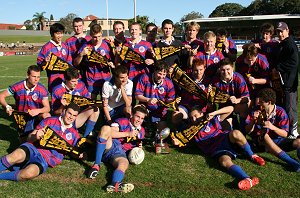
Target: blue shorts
116,112
33,156
114,152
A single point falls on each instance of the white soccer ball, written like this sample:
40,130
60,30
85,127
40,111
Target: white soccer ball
136,155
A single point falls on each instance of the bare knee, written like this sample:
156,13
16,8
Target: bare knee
122,164
296,143
29,172
105,132
225,161
236,135
17,156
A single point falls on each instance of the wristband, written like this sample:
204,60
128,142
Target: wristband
8,107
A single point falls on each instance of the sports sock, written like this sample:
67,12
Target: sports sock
4,164
13,175
100,148
285,157
117,176
89,127
237,172
246,147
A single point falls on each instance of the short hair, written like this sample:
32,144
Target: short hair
118,23
135,23
77,19
198,108
141,108
198,61
160,66
149,25
71,73
221,32
121,69
73,106
95,29
267,94
33,68
167,21
209,34
250,50
56,27
193,24
267,27
225,61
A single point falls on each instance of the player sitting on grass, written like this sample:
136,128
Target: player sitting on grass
217,143
114,142
30,160
268,126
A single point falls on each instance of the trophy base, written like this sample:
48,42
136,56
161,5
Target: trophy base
162,149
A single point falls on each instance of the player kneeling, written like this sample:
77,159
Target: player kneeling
114,142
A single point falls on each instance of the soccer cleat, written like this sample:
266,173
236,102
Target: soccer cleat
93,172
248,183
258,160
120,187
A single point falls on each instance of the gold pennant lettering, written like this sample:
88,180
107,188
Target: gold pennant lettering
56,64
163,52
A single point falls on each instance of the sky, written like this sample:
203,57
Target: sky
12,11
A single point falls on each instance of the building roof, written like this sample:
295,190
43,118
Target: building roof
6,26
243,18
90,18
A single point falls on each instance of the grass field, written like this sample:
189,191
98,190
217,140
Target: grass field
182,173
28,39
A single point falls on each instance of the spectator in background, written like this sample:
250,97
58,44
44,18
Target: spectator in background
151,31
226,45
287,66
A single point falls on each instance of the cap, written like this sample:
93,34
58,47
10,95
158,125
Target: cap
282,26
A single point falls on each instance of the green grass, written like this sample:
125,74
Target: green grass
28,39
182,173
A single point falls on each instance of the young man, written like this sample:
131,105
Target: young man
30,97
235,86
151,32
30,160
74,86
210,55
268,125
117,95
168,40
254,67
287,65
114,143
57,47
79,38
226,45
151,88
266,45
144,48
192,43
218,144
96,73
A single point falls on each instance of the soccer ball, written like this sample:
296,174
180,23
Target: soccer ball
136,155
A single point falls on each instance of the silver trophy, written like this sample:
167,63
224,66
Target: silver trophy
160,146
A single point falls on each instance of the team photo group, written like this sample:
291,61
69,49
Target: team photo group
109,93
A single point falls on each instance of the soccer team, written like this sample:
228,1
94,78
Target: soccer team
133,92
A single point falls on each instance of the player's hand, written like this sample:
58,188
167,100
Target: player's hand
149,61
85,51
256,114
63,101
257,45
111,65
152,101
133,133
210,115
82,156
251,80
269,125
9,110
34,112
175,141
40,134
226,44
109,38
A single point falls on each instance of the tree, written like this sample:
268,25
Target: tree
143,20
190,16
226,10
39,18
67,22
28,24
51,17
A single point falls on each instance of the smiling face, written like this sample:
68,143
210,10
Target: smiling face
57,37
168,30
195,116
69,116
137,119
210,43
192,33
226,72
198,71
135,31
159,76
71,84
